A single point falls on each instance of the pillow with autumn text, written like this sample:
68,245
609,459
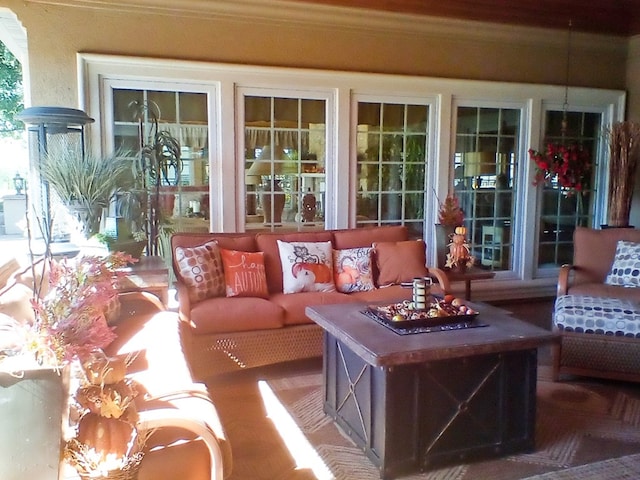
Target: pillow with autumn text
306,266
400,262
200,269
244,274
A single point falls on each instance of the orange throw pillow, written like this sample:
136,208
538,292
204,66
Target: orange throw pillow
244,273
400,261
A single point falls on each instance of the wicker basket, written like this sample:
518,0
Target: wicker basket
128,472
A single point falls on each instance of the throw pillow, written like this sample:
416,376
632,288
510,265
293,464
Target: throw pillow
306,266
244,273
352,270
625,270
200,269
400,262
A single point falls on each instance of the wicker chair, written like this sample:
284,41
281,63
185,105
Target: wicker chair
596,354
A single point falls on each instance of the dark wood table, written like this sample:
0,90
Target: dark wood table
149,274
470,274
415,402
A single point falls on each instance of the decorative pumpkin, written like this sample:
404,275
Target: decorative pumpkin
106,400
103,370
109,437
460,230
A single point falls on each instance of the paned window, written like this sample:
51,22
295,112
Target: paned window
563,209
485,181
285,162
392,143
139,115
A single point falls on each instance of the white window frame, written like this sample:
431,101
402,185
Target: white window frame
226,79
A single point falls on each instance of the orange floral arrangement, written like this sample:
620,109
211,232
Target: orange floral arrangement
569,164
450,213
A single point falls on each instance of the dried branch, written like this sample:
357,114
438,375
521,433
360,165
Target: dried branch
624,149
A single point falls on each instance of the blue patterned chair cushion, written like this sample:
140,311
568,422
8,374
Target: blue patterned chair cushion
605,316
625,270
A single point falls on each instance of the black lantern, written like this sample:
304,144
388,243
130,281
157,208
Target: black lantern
18,184
50,130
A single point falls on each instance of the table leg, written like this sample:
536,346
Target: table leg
467,289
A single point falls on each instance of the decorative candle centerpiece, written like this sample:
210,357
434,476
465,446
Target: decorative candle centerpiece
421,292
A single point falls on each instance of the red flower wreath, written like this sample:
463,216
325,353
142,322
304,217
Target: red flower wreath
570,164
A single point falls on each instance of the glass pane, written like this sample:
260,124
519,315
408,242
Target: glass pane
286,110
414,206
417,116
313,111
165,102
393,118
369,115
193,107
257,109
122,104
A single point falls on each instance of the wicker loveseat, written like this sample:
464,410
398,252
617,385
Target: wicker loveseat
222,334
598,321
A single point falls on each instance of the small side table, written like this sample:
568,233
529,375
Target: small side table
149,274
470,274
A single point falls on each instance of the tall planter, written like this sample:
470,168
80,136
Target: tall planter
33,413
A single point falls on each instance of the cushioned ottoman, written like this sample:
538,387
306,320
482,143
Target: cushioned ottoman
600,337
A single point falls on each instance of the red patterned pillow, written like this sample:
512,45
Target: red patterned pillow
200,269
244,273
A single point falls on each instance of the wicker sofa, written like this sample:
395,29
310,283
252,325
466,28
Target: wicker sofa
223,334
597,320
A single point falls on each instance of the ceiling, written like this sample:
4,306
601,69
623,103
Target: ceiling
614,17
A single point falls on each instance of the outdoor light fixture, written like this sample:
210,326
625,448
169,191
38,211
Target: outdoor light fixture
50,130
18,184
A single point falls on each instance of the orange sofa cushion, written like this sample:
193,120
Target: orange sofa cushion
249,313
294,305
364,237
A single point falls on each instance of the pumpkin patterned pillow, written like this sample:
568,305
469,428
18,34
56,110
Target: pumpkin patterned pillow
352,270
306,266
200,269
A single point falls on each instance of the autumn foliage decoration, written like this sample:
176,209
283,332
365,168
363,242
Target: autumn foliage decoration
569,165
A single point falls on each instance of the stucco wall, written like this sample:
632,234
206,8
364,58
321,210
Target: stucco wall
407,46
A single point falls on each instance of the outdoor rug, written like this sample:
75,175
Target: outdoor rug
584,430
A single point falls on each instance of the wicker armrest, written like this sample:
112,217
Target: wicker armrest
184,303
564,279
442,278
169,417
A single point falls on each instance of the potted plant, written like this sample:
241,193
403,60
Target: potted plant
157,172
86,184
